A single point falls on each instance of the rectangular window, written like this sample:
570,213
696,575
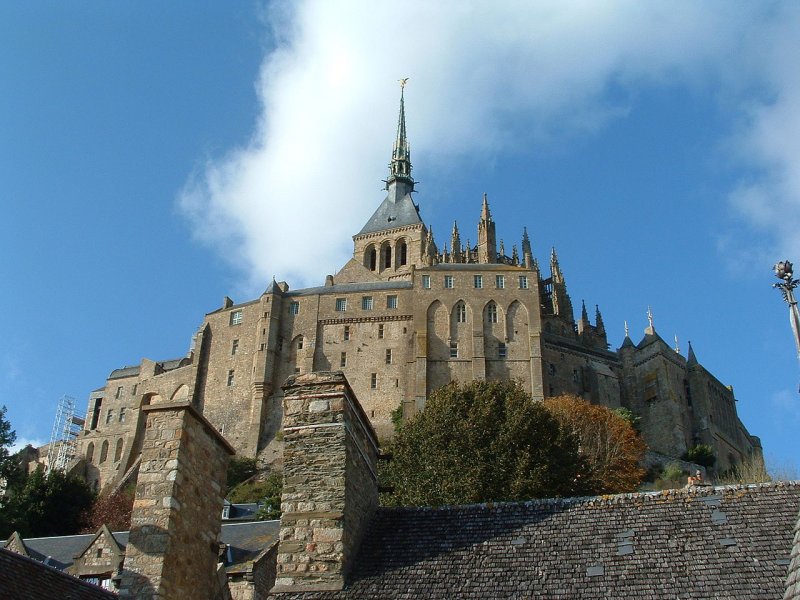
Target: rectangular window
236,317
426,282
122,415
491,313
373,381
230,378
109,416
380,331
453,349
499,281
388,356
135,387
343,360
234,347
448,282
262,347
300,343
501,350
366,302
119,392
523,282
391,301
294,308
341,304
477,280
346,332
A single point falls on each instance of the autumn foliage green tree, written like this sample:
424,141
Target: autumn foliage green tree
111,509
609,444
479,442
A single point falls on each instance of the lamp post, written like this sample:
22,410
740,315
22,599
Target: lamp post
784,272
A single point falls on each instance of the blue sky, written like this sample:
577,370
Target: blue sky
155,157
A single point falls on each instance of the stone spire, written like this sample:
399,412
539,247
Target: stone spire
691,359
400,181
555,269
598,320
514,255
455,245
487,244
583,324
527,253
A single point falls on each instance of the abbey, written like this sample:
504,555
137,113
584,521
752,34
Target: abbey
401,318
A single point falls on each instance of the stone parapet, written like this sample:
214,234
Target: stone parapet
172,551
330,488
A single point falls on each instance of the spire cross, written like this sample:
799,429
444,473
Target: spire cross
650,317
403,82
626,328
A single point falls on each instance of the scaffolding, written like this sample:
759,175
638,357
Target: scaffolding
66,428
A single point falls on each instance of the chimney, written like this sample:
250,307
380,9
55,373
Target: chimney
175,526
330,489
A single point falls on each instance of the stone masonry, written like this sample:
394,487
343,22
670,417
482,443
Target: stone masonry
330,488
173,547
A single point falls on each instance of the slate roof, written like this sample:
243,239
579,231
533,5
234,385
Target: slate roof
725,542
23,578
393,214
246,540
346,288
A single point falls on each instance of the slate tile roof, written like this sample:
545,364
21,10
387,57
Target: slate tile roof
23,578
724,542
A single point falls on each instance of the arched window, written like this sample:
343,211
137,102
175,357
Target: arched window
461,313
387,256
491,312
90,452
402,253
118,450
371,259
104,452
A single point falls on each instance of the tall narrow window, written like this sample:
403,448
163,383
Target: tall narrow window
109,416
501,350
523,282
230,378
294,308
366,303
234,347
346,332
90,452
236,317
461,313
104,452
426,282
380,331
491,313
391,301
341,304
118,450
448,281
387,257
373,381
388,356
499,281
122,415
402,251
300,343
477,281
453,349
119,392
343,360
372,258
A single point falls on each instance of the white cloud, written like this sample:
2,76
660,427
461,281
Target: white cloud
484,78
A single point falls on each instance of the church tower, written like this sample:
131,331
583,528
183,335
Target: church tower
395,238
487,242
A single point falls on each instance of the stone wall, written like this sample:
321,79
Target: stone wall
173,547
330,488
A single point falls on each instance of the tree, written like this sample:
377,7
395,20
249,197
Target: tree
113,510
266,492
52,504
8,436
240,469
480,442
608,442
701,454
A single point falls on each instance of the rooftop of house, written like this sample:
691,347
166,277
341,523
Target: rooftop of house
701,542
28,579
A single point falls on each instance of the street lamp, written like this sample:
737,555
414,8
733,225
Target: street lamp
784,272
